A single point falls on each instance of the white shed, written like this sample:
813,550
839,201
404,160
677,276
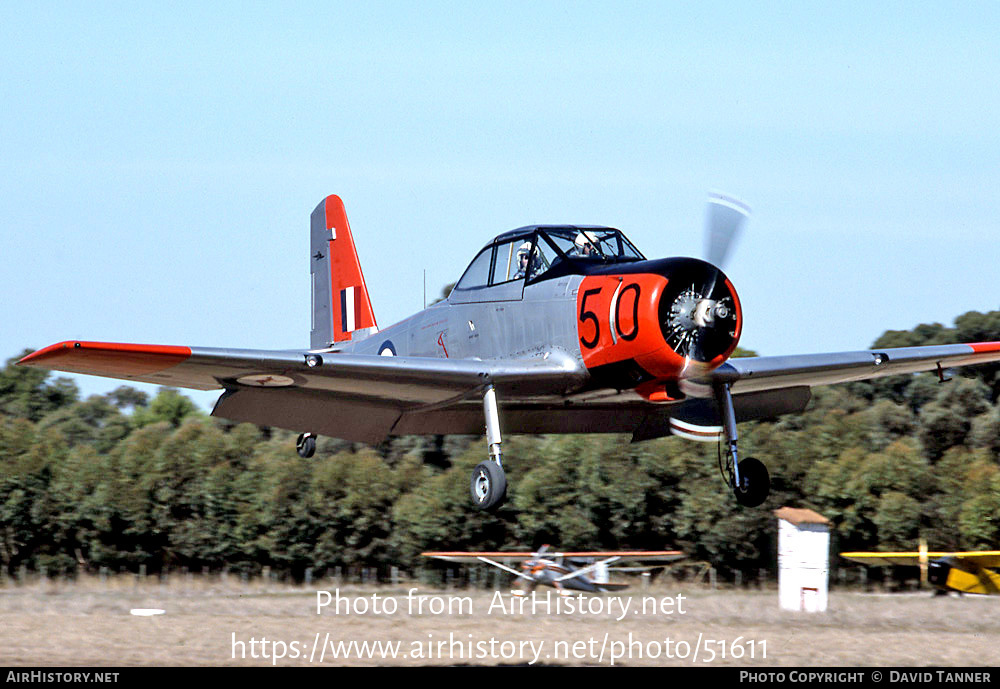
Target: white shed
803,559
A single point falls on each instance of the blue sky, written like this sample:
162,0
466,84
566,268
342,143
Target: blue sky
158,164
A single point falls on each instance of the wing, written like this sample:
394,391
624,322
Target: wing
984,558
762,388
884,559
625,555
355,397
755,374
367,398
768,386
478,557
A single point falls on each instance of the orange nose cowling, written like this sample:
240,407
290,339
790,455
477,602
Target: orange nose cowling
675,325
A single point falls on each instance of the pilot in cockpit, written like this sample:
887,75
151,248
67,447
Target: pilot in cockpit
523,259
529,262
584,244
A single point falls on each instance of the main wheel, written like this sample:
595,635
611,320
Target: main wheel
306,445
488,486
755,484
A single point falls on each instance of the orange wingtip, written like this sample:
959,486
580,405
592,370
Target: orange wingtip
107,358
475,553
983,347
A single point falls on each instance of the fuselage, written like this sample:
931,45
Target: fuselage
549,572
956,574
632,323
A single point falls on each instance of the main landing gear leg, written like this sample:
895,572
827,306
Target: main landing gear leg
489,483
748,478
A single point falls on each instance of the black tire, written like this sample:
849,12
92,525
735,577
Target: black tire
488,486
755,483
306,445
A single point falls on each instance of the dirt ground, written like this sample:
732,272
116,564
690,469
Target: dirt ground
232,623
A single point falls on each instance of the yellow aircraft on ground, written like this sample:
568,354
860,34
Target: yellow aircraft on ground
965,572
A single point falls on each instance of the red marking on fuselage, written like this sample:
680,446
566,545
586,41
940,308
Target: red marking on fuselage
617,320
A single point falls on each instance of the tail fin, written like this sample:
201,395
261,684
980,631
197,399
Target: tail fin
340,303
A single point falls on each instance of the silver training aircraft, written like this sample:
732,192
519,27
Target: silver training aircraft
551,329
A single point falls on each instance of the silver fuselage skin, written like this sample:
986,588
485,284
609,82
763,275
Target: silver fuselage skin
510,321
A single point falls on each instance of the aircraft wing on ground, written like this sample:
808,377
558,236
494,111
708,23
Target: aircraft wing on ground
966,572
983,558
508,557
463,557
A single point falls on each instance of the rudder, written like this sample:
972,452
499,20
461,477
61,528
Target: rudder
340,302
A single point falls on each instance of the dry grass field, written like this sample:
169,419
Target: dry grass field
212,623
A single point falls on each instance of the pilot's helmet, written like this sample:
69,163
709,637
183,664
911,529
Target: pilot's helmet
524,250
585,239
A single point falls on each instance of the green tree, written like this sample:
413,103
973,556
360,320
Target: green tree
169,405
27,393
352,496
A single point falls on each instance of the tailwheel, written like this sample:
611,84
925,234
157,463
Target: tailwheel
306,445
754,483
488,486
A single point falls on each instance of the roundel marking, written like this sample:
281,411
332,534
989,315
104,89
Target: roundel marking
387,349
266,380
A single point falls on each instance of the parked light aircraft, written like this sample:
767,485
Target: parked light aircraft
965,572
550,329
580,571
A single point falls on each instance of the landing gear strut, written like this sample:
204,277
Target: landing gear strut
748,478
489,483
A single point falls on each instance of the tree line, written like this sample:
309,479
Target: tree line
125,480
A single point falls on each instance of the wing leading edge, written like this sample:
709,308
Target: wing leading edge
355,397
420,379
508,557
776,372
982,558
366,398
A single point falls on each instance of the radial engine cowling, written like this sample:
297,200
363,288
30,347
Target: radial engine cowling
663,321
700,316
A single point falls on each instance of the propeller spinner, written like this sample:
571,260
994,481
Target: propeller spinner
699,313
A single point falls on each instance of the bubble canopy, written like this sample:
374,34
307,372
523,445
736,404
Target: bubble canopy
543,251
